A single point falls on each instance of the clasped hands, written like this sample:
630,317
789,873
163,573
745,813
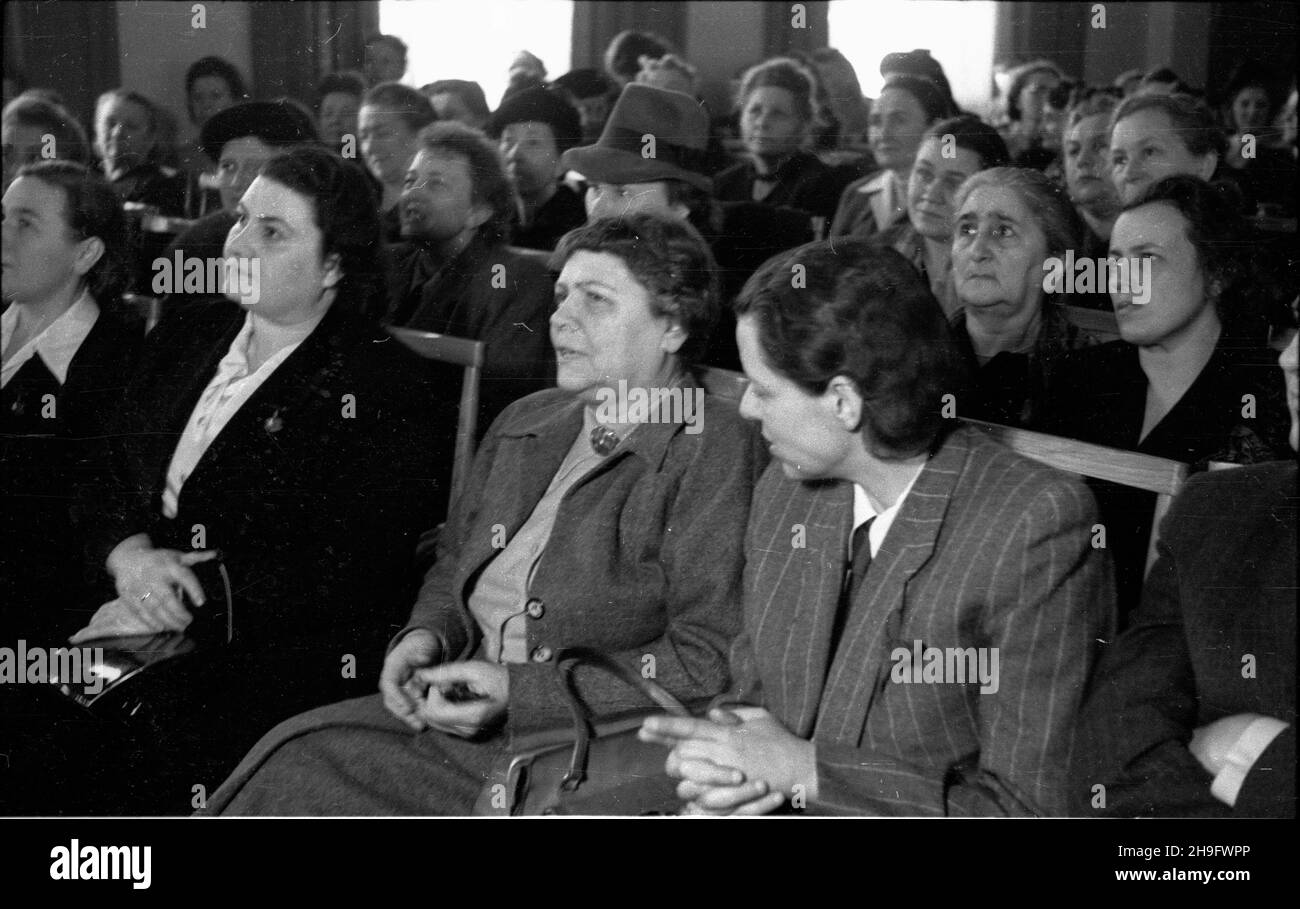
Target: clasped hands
737,761
463,698
150,583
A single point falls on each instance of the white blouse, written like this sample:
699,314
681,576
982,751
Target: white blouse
56,345
228,391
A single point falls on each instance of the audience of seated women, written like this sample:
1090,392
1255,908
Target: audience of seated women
283,428
626,537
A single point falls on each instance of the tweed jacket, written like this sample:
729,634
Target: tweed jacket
1222,587
988,550
644,560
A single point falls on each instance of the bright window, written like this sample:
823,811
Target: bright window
477,39
958,35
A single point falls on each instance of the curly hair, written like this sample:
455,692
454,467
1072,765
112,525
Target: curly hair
862,312
669,258
786,73
491,185
1045,198
91,208
347,213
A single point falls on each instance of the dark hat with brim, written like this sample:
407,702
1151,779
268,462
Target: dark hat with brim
274,122
652,134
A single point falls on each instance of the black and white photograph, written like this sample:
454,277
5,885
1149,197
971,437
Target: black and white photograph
510,409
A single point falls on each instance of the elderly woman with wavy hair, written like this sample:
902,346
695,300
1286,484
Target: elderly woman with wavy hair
1012,223
951,151
581,526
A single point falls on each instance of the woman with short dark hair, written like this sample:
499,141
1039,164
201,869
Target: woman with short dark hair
1190,380
904,520
612,531
67,356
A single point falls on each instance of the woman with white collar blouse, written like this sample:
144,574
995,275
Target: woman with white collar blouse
66,359
289,431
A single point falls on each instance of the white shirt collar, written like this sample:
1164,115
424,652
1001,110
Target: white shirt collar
863,512
57,344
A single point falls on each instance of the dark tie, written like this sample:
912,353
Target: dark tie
854,572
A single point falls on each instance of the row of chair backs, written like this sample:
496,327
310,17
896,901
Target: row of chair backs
1128,468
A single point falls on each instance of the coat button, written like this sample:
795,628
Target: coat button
541,654
536,608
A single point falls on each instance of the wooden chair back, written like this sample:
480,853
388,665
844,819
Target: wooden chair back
469,355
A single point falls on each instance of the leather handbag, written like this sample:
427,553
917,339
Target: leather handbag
137,678
592,767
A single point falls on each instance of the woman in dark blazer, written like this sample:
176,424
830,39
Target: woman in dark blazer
581,525
291,433
1192,380
67,357
776,114
1178,723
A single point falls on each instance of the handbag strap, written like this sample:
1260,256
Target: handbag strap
568,658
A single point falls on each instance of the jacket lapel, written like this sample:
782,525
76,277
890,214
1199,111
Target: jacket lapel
862,665
792,584
304,381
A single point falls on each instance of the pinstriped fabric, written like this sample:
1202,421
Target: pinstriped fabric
989,550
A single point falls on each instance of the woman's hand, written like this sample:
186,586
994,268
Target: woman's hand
401,691
149,582
464,698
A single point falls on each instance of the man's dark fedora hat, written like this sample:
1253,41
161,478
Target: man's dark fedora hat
279,122
679,125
